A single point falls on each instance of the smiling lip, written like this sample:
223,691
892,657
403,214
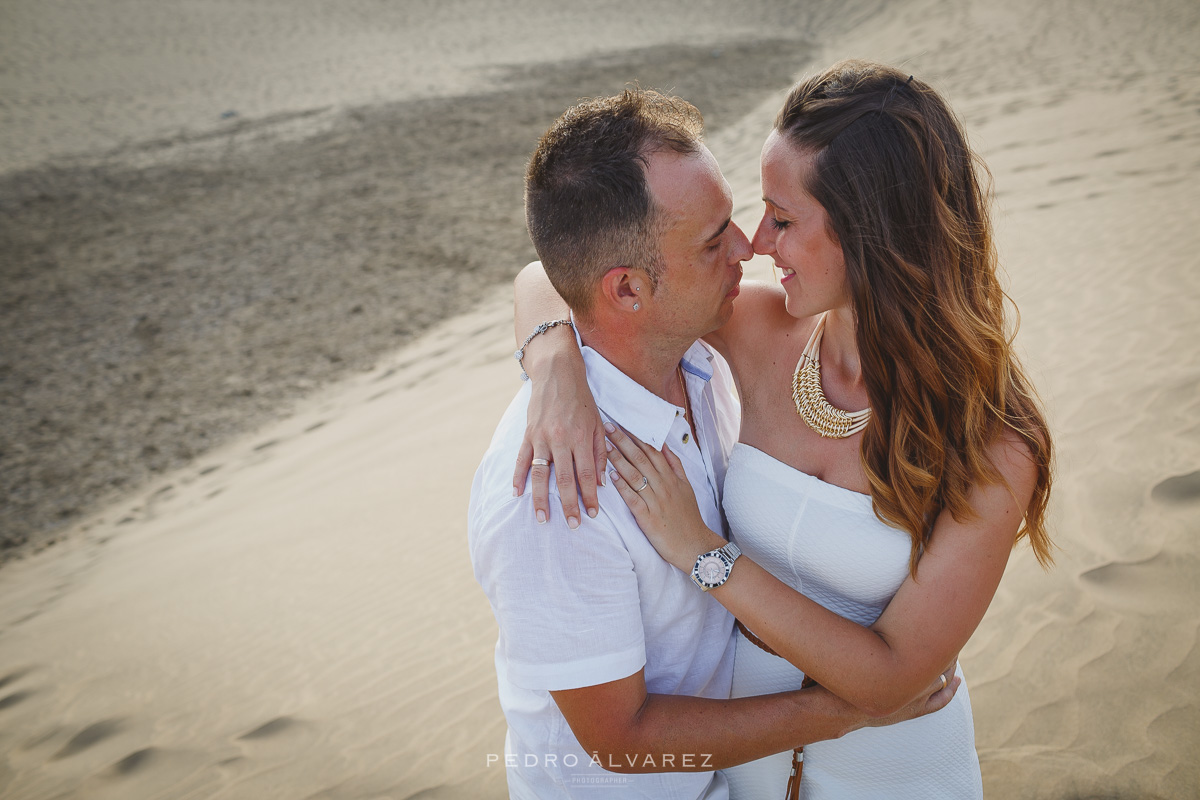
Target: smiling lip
788,274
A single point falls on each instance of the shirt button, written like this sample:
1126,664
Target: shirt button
685,438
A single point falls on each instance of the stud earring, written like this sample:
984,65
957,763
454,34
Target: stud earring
636,306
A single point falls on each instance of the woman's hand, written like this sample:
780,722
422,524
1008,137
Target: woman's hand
935,697
665,507
563,423
564,428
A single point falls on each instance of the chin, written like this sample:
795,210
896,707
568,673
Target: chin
724,315
795,308
801,307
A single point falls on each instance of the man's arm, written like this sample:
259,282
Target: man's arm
567,606
629,730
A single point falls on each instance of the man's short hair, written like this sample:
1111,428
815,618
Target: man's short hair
587,203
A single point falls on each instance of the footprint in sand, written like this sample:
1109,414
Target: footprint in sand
14,698
1179,490
1150,586
91,735
272,728
158,765
135,761
13,676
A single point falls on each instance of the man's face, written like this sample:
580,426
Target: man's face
702,249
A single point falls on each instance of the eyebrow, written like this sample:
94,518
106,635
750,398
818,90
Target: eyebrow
720,230
771,202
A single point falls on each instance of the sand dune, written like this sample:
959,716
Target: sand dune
328,643
165,296
292,615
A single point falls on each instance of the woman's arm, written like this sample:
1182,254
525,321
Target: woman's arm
563,422
922,630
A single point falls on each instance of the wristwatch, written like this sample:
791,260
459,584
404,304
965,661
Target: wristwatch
712,568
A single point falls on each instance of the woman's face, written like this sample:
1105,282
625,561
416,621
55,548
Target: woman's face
794,232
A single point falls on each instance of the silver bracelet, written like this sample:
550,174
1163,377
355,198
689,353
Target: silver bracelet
545,326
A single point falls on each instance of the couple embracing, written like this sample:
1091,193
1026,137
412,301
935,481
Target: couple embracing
761,521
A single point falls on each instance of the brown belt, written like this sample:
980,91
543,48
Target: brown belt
793,784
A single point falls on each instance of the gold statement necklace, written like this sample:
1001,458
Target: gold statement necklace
811,405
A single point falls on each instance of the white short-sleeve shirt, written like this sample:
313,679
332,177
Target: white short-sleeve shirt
581,607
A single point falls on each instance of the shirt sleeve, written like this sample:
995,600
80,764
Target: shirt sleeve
566,601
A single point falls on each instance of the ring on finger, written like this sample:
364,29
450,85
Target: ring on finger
944,681
645,482
541,462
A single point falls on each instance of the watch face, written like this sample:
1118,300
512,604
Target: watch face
710,570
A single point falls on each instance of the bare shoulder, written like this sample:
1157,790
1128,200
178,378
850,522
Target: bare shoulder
1012,456
1013,459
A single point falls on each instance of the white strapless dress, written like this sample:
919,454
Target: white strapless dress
827,542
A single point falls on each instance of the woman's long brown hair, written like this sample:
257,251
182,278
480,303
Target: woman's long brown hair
909,203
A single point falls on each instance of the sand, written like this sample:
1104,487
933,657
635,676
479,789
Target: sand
290,613
161,297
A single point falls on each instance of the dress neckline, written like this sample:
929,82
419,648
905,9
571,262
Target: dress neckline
832,486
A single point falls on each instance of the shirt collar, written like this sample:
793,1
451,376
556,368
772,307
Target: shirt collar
631,405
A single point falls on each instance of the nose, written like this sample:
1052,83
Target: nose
740,248
764,237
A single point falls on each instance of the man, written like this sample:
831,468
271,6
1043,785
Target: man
609,660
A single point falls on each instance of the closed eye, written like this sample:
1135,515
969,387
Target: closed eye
780,224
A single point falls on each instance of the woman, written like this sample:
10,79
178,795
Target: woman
891,451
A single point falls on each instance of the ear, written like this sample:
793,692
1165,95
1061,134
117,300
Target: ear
622,288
